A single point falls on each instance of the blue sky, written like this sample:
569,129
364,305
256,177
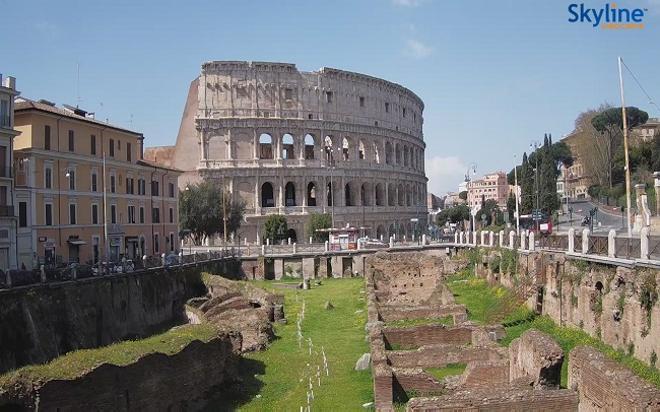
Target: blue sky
494,75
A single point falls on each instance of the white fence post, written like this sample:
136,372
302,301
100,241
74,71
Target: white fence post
523,240
644,243
491,238
474,238
611,243
532,243
391,241
501,234
455,237
326,248
571,240
483,237
512,235
585,241
295,248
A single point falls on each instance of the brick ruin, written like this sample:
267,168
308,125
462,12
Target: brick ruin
242,317
409,286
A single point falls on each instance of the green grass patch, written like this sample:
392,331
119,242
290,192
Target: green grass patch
406,323
76,363
452,369
482,301
280,374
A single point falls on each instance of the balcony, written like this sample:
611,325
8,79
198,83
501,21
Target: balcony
6,211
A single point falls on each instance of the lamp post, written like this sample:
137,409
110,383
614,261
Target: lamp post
517,195
535,215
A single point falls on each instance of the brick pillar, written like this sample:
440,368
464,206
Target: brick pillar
611,243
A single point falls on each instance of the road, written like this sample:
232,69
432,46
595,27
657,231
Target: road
607,218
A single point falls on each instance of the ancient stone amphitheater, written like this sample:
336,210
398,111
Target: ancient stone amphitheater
291,142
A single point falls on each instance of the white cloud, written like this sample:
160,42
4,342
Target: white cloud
444,173
417,49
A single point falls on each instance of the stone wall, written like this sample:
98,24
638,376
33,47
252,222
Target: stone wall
535,358
606,385
414,337
155,382
510,400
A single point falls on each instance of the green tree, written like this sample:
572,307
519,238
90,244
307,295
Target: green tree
609,125
319,221
511,206
454,214
201,212
463,195
547,174
491,211
526,181
275,229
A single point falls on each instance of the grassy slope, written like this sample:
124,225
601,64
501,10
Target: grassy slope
451,369
480,298
280,374
75,363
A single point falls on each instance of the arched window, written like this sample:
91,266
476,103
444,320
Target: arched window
265,146
347,195
380,232
391,195
380,195
267,198
408,196
309,147
388,153
290,194
401,196
311,194
328,148
405,155
345,147
362,155
376,154
364,195
329,194
288,151
397,154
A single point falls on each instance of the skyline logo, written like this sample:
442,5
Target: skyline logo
610,16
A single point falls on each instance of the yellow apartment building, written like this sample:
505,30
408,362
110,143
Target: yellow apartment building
77,210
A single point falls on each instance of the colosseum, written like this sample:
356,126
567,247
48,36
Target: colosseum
289,142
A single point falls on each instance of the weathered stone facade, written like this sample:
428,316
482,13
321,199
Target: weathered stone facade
261,130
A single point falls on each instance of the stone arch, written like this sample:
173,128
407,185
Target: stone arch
401,195
380,232
365,194
328,147
310,146
290,194
391,195
311,194
291,234
349,200
267,195
405,156
346,148
391,231
265,146
362,154
288,150
376,153
408,196
397,154
388,153
380,194
330,196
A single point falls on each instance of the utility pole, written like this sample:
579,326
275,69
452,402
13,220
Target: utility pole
625,149
515,176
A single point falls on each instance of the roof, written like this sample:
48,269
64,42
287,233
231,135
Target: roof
26,104
158,166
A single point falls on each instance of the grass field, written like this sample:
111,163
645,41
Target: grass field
451,369
482,299
277,379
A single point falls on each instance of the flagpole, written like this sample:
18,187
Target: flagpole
625,150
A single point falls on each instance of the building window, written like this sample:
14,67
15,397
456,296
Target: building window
361,101
387,107
95,214
154,188
155,215
49,214
113,184
71,141
403,111
112,147
22,214
129,157
72,179
141,186
171,242
131,214
171,189
92,139
48,177
94,182
156,245
130,186
141,214
171,215
113,214
288,94
47,137
328,97
72,214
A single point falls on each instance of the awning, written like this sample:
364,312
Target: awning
77,242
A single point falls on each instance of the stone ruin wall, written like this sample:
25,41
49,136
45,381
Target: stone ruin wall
590,297
487,374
